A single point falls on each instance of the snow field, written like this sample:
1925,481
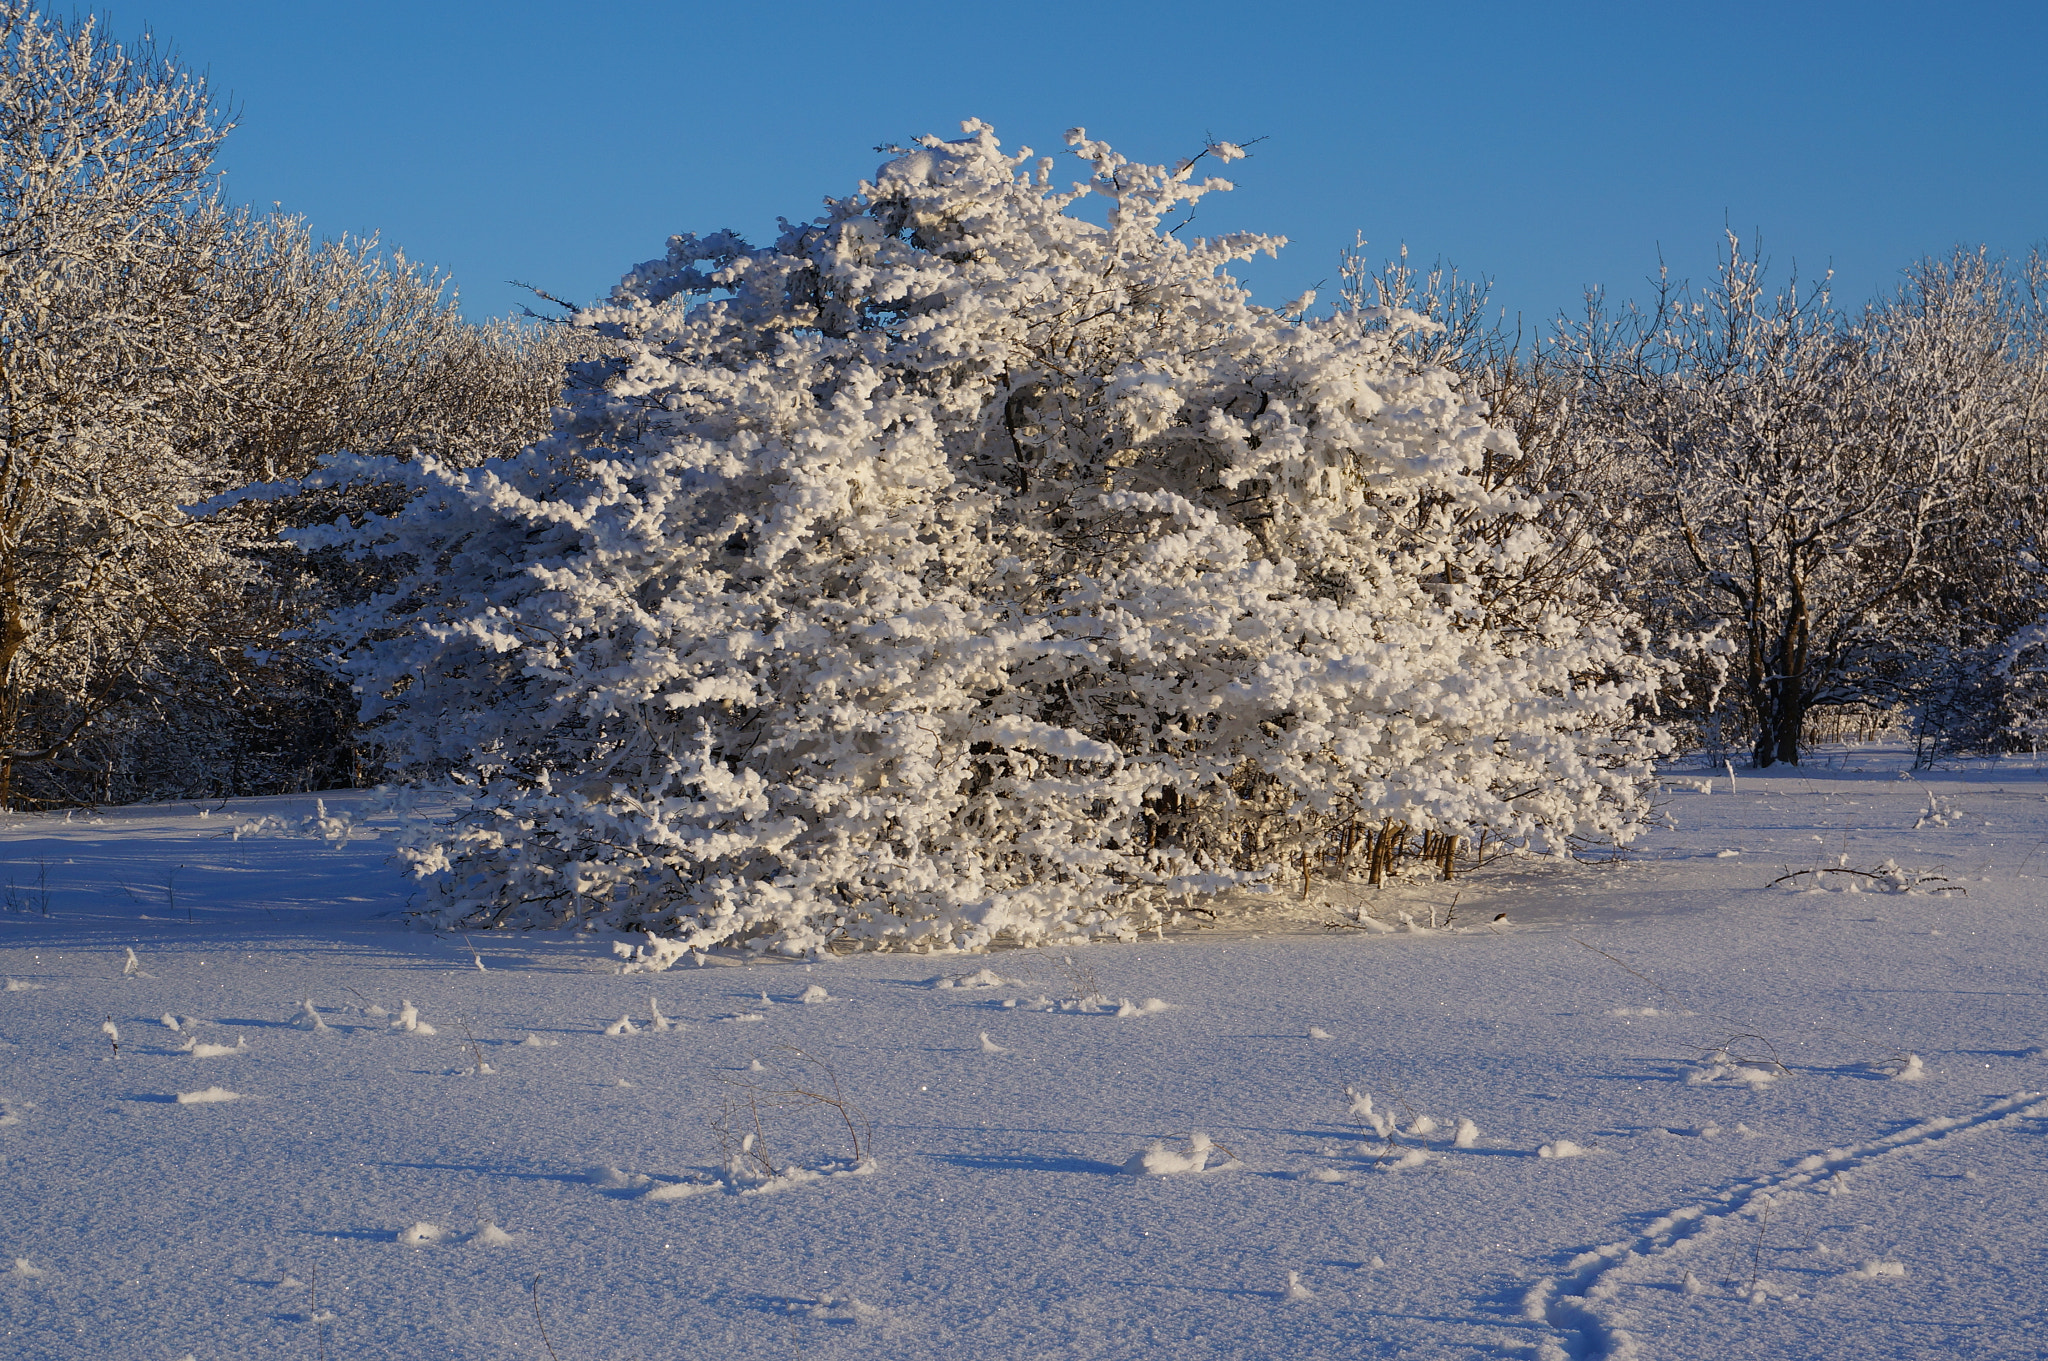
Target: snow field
1831,1210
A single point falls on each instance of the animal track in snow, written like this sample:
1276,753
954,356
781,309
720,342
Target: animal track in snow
1572,1305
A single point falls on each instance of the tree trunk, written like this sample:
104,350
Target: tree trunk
1783,713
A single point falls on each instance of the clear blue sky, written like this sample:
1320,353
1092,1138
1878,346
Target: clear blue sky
1550,146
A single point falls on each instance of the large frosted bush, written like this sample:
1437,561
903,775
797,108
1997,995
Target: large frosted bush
956,569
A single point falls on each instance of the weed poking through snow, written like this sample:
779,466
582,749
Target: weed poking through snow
780,1098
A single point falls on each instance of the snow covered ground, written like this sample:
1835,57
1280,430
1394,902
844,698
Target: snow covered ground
1708,1117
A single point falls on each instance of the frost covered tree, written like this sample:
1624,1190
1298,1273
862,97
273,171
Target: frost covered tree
956,569
107,229
157,348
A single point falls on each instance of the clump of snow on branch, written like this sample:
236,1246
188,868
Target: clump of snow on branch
956,569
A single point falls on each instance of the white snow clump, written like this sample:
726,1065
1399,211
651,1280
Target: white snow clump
409,1020
207,1096
1157,1160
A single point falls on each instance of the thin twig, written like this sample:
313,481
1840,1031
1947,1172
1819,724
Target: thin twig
534,1290
1756,1250
1638,973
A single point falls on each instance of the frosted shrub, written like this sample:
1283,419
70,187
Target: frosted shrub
956,568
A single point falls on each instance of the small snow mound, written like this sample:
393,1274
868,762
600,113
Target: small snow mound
1467,1135
623,1026
1423,1126
307,1019
814,995
655,956
207,1096
679,1190
1316,1032
1324,1174
791,1177
1414,1157
742,1017
1151,1006
133,968
1635,1011
533,1041
1723,1068
409,1020
847,1309
25,1270
1912,1070
1692,1285
1295,1289
199,1050
989,1046
422,1235
1158,1160
1563,1148
1875,1270
1725,855
491,1236
16,985
980,978
613,1179
658,1023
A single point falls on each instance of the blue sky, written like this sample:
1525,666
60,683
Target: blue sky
1549,146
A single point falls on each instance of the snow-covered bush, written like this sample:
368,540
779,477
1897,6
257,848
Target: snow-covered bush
957,568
